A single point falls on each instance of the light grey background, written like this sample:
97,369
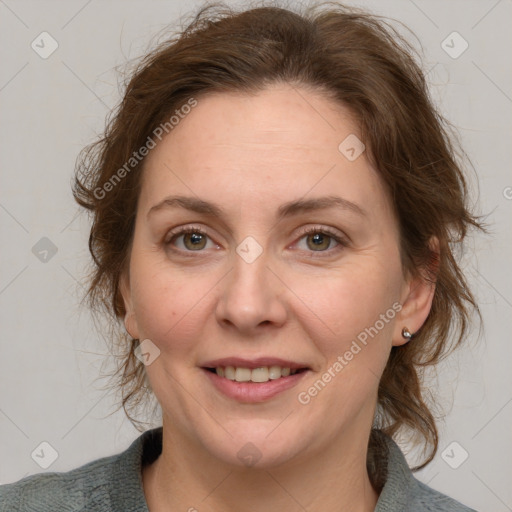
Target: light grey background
51,108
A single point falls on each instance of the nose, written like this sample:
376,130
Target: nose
251,298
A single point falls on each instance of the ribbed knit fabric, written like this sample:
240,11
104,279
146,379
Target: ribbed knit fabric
114,484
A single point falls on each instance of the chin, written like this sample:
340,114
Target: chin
256,446
248,454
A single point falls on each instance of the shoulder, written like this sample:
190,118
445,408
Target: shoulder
110,483
70,491
427,499
402,492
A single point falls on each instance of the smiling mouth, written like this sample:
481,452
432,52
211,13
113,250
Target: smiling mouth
255,375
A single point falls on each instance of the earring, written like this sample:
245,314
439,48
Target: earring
406,333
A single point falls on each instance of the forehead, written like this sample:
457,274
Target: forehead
280,116
281,140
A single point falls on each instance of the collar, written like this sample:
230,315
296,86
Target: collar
127,475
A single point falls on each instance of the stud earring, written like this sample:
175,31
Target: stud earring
406,333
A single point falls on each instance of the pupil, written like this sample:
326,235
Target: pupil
194,241
319,241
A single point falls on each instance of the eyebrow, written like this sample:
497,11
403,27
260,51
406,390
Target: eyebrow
285,210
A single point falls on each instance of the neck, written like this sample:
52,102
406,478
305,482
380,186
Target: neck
185,478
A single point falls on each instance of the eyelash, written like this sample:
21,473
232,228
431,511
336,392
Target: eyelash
341,241
183,231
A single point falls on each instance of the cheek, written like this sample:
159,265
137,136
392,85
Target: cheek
352,329
169,306
353,301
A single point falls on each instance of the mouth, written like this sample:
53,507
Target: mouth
254,375
253,381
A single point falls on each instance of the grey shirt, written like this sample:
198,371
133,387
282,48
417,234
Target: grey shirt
114,484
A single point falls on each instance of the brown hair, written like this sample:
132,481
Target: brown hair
357,59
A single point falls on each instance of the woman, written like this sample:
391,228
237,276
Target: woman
276,206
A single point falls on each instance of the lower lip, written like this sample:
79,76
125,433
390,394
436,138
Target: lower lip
252,392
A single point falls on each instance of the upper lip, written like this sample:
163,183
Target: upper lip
240,362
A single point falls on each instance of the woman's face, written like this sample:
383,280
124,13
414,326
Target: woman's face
290,260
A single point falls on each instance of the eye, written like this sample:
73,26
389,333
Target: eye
321,240
189,239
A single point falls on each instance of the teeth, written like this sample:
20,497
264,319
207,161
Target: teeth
274,372
263,374
259,375
229,372
243,375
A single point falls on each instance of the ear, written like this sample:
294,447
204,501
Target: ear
130,322
417,297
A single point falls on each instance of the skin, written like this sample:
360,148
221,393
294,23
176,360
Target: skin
249,154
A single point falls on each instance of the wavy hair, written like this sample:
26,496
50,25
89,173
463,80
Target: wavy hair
359,60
